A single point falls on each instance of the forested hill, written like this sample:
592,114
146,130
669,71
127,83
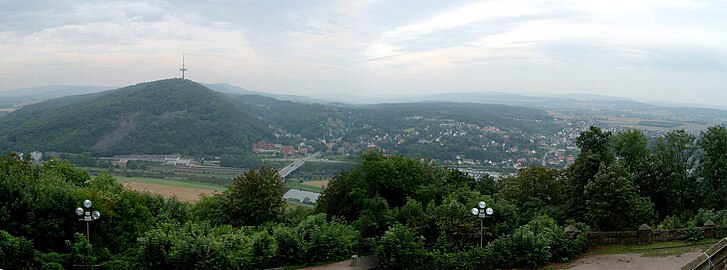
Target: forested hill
166,116
336,120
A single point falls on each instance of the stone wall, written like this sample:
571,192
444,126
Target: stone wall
645,235
608,238
669,235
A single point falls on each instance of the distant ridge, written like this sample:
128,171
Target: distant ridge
51,91
165,116
231,89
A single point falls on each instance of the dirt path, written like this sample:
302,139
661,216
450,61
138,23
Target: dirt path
182,193
630,261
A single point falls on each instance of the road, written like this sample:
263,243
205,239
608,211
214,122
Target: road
545,157
297,163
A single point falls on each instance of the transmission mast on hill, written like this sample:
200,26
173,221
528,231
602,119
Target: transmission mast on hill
183,69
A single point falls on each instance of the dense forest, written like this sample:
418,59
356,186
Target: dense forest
160,117
412,213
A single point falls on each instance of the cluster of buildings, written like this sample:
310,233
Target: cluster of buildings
265,148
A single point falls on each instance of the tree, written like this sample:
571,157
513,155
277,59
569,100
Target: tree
535,191
401,248
713,166
594,152
254,198
631,147
669,183
16,252
613,202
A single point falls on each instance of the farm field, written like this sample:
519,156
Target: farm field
169,182
193,191
652,125
295,184
184,191
184,194
319,183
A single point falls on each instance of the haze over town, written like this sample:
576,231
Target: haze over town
671,51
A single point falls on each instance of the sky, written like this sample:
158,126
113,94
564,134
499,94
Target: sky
663,50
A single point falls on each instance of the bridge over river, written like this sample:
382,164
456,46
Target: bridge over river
297,163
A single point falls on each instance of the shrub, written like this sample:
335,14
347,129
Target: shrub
327,241
401,248
522,248
16,252
694,234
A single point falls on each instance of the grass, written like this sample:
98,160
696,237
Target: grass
297,203
167,182
295,184
659,249
637,123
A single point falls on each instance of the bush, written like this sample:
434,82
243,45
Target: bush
534,244
289,245
522,248
694,234
718,217
474,258
401,248
16,252
327,241
670,222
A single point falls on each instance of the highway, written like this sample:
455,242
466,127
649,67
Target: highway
297,163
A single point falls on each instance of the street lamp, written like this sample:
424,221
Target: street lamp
482,212
87,216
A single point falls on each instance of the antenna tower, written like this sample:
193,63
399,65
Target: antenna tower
183,69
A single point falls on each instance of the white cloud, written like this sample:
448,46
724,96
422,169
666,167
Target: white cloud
620,46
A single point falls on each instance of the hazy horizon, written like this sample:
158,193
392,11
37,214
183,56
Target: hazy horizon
663,51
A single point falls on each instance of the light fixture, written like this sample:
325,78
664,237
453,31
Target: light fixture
87,203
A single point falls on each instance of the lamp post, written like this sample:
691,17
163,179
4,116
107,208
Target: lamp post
481,212
87,216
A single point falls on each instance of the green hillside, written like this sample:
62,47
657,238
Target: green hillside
316,120
166,116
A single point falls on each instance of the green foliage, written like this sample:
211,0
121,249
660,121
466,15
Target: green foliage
718,217
694,234
16,252
613,201
534,244
594,144
167,116
327,241
522,248
65,169
412,213
254,198
290,247
473,258
81,251
669,182
630,147
240,161
670,222
536,191
401,248
713,166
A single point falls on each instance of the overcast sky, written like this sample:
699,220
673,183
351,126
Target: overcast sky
660,50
